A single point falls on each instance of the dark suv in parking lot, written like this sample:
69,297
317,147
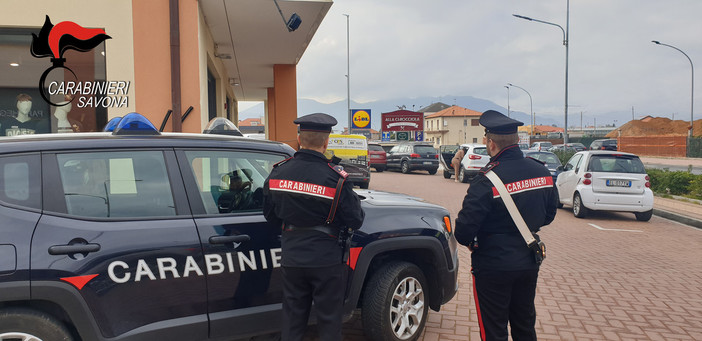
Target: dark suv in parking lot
604,144
409,156
137,235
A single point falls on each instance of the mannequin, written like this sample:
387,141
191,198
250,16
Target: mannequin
61,114
23,123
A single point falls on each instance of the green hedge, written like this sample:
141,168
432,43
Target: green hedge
676,183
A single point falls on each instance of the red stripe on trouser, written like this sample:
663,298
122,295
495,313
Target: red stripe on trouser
477,306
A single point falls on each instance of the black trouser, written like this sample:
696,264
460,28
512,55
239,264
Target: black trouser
302,286
502,296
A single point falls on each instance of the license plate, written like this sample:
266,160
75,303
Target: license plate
427,162
619,183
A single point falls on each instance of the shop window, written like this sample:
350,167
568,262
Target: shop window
22,108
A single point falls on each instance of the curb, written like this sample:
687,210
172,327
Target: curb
678,217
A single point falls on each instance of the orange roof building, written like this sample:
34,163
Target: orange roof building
453,125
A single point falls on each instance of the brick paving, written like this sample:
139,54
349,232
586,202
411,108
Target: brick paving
617,280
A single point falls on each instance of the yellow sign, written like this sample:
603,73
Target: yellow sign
361,119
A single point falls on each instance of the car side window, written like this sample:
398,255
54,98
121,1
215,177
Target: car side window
116,184
20,180
574,162
231,181
394,149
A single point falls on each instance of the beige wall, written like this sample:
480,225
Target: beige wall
450,130
116,20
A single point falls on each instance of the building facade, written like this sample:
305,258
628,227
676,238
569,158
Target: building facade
186,56
453,125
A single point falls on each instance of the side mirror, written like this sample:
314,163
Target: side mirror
560,168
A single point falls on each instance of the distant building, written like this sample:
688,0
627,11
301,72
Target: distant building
252,126
433,108
370,134
453,125
540,130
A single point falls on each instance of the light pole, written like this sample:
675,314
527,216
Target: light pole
348,75
692,91
531,107
507,100
565,43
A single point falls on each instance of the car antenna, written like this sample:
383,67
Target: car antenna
165,119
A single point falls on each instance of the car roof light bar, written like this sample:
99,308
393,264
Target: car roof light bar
110,126
135,124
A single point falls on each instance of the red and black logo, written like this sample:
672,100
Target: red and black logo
54,40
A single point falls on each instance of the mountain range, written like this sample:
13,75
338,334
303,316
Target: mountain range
339,110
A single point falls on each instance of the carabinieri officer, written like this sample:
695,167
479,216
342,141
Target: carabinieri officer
312,202
504,268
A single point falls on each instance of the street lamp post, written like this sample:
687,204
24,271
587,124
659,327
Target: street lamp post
692,91
348,75
507,100
531,107
565,42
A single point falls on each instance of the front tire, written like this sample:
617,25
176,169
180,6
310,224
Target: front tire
405,167
579,210
363,185
644,216
395,303
26,324
432,171
447,174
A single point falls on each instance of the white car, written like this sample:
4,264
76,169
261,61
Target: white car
605,181
476,158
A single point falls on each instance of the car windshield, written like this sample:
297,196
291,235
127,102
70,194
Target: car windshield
616,163
609,142
424,150
547,158
480,151
375,148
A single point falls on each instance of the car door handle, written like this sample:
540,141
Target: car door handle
229,239
73,249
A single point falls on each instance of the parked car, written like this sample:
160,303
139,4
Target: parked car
606,181
476,158
562,148
446,154
353,152
378,157
604,144
409,156
523,146
539,146
579,147
141,235
550,160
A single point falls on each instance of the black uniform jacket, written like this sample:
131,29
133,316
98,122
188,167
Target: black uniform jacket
500,246
299,192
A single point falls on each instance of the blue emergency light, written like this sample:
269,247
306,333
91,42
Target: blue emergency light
135,124
110,126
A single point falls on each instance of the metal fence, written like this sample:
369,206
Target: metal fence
694,147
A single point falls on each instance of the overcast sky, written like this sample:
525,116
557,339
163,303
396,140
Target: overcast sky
412,48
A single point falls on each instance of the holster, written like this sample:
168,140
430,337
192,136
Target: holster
539,249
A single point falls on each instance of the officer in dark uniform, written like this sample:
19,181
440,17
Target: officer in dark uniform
309,198
504,268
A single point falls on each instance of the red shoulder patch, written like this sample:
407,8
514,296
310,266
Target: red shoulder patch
339,170
281,162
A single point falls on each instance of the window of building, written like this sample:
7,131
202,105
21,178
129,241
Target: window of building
475,122
23,110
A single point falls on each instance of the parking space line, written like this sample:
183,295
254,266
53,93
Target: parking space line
604,229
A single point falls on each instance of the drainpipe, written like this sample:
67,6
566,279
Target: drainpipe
175,65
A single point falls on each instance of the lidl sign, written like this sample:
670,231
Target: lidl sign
361,118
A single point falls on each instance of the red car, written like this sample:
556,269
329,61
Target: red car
378,157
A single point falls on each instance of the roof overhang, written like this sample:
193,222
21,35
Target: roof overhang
251,37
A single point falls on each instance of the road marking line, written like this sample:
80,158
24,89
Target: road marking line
604,229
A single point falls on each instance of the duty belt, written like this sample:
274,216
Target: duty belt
332,231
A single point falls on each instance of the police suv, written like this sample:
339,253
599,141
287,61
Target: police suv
138,235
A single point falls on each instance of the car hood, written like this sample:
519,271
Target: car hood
379,198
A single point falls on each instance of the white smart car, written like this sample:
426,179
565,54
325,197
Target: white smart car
606,181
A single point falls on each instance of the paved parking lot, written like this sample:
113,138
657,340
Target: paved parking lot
607,277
